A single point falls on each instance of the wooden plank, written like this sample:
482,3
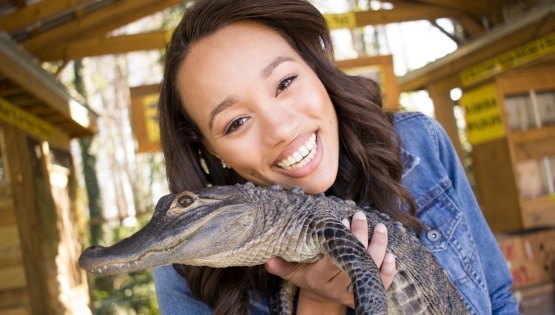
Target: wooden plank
537,300
521,81
40,90
106,46
27,219
444,112
8,88
12,278
14,300
10,247
17,311
36,13
403,13
97,23
540,219
7,214
477,7
497,194
385,64
534,143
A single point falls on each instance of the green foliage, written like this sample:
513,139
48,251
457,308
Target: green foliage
129,293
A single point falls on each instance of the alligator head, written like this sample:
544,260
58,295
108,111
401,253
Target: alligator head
189,228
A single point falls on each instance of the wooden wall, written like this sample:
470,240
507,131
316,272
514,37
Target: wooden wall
39,235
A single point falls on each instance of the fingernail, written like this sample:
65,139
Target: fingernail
359,215
380,227
389,258
275,266
346,223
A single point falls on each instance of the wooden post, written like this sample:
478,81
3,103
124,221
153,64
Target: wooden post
443,107
28,220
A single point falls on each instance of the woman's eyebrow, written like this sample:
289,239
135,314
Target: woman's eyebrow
265,73
227,102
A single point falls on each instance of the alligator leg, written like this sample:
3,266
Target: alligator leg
350,256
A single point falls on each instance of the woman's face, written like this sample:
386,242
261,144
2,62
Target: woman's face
261,108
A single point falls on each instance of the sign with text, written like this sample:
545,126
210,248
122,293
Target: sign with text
520,55
144,117
343,20
23,120
482,114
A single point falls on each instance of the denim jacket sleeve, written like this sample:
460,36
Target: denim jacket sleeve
456,230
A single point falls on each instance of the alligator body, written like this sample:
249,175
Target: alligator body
245,225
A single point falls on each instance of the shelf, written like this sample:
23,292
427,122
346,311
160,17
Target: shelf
539,212
534,143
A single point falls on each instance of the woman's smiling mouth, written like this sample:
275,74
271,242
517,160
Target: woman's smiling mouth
301,157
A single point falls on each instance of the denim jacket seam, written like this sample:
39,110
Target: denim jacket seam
424,200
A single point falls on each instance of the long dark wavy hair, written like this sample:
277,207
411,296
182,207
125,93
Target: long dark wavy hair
370,166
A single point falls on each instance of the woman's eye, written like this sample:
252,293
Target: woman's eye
285,83
236,124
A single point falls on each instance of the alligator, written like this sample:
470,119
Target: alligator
246,225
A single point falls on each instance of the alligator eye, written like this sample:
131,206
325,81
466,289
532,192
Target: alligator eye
185,201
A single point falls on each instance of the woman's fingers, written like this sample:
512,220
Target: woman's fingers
388,270
324,280
378,244
377,247
359,227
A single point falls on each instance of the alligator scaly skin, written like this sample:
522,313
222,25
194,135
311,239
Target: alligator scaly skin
245,225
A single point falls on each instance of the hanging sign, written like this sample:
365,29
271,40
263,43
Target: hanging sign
513,58
343,20
25,121
144,117
482,114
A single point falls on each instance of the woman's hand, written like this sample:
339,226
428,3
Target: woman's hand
322,284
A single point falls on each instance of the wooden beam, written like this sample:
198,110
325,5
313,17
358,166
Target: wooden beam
8,88
476,8
408,12
97,23
20,3
23,71
385,63
106,46
414,12
444,112
35,13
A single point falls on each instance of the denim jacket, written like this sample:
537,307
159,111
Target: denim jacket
455,229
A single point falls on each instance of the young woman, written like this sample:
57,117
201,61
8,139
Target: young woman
251,93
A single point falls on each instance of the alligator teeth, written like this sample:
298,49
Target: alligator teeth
300,157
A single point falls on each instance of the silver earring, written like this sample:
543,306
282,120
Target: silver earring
225,165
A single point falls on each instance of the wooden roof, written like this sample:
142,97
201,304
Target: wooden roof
73,29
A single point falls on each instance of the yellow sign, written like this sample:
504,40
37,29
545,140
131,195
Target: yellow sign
150,103
344,20
21,119
482,114
513,58
144,117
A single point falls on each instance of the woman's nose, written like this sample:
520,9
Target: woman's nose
277,125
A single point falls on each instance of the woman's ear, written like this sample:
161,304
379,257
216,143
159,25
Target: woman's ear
209,150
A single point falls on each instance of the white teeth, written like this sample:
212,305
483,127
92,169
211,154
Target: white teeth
302,156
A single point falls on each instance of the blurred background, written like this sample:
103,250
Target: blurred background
80,162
